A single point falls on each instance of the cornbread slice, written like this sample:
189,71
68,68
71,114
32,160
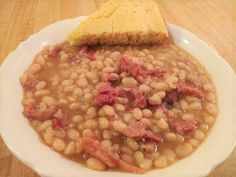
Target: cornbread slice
120,22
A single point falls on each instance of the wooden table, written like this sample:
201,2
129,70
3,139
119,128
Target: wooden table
212,20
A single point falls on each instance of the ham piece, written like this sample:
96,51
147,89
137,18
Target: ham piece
106,95
92,146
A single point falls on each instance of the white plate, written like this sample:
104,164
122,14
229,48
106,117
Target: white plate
23,141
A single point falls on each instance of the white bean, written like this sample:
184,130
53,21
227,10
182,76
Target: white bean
162,124
77,118
147,113
34,68
139,157
184,150
74,106
119,126
44,125
129,82
70,148
108,110
137,113
159,86
144,88
67,82
199,135
39,93
171,137
103,123
195,105
160,162
40,85
58,144
132,144
170,155
72,134
48,100
95,164
155,99
211,108
82,82
146,164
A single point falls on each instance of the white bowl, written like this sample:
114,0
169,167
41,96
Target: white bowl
23,141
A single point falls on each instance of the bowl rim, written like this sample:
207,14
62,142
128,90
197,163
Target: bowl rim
24,43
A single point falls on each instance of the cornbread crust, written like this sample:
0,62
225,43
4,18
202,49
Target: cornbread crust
120,22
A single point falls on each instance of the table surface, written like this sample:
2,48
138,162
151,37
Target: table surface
212,20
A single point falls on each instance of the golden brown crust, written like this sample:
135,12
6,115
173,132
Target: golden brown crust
121,22
121,39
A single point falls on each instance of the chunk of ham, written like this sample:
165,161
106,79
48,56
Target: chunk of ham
169,114
140,100
110,77
185,127
60,121
58,124
33,112
150,136
131,67
171,98
92,146
29,83
140,130
75,58
137,70
88,52
134,95
54,52
158,72
185,87
106,95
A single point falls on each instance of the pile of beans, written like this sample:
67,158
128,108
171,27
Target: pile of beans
60,94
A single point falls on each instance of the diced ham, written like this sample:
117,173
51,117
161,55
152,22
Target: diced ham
30,83
158,72
59,114
129,168
167,112
110,77
131,67
150,136
88,52
140,130
134,94
93,147
140,99
48,112
125,93
185,127
92,135
185,87
136,129
137,70
33,112
75,58
58,124
106,95
60,121
54,52
171,98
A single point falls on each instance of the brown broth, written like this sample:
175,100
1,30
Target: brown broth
84,75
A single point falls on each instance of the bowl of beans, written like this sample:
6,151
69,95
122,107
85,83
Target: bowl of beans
161,110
